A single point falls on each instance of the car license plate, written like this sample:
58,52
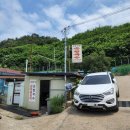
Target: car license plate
94,105
91,105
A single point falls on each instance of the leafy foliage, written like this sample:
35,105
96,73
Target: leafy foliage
33,39
96,62
113,40
56,104
39,50
122,70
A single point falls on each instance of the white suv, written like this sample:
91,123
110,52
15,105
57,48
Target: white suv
97,90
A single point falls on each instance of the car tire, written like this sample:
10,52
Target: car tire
116,107
77,107
118,94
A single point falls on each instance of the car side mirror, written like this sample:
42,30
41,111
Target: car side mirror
113,80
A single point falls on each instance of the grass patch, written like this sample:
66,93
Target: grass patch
19,118
56,104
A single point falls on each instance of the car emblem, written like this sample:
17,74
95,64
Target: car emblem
89,97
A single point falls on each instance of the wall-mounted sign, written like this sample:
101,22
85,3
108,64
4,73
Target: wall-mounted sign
76,53
32,90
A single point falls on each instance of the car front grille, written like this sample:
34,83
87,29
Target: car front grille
91,98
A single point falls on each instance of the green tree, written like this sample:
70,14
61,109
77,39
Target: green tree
96,62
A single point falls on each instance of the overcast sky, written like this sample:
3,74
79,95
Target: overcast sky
49,17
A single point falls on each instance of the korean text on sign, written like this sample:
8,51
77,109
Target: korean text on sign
32,90
76,53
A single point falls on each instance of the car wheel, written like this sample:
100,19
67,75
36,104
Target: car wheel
77,107
118,94
116,108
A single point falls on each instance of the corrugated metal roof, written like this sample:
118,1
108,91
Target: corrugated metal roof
12,77
6,71
53,74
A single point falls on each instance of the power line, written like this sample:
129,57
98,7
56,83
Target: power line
106,15
64,31
94,19
90,4
91,20
87,8
97,18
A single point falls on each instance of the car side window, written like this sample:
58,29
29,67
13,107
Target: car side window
112,77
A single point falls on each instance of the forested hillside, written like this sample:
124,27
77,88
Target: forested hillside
114,41
40,50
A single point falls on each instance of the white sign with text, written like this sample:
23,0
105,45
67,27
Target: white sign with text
76,53
32,90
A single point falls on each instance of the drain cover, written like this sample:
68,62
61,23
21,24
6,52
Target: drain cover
124,103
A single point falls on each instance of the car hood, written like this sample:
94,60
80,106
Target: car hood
94,89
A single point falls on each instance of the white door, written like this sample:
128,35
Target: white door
21,94
10,93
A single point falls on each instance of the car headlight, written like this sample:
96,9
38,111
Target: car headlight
109,92
76,93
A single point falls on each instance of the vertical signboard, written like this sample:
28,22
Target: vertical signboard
17,91
76,53
32,90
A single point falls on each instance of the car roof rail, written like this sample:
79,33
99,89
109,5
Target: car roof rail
107,72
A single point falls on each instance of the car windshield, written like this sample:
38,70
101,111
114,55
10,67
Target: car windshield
96,79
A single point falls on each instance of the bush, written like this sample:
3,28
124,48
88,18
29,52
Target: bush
122,70
56,104
19,118
96,62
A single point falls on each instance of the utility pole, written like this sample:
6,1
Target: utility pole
65,50
31,58
128,60
26,65
49,66
55,58
69,58
64,31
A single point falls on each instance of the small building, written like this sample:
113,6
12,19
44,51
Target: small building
11,86
39,86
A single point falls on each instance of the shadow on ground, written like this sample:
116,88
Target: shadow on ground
89,112
20,111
